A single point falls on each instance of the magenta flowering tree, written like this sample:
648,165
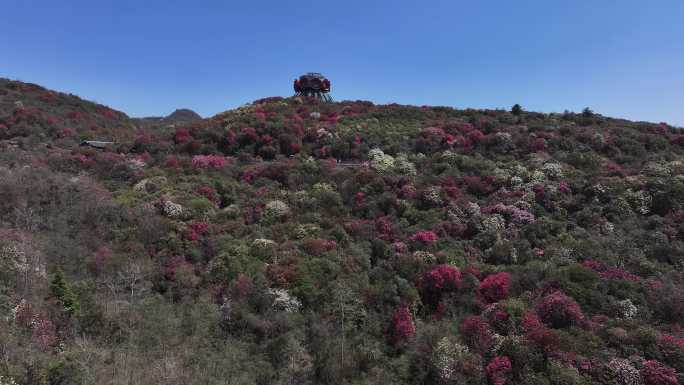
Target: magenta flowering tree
558,310
499,370
495,287
439,280
403,326
656,373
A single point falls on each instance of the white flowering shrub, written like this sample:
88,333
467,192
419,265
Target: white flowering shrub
403,166
626,309
264,249
625,373
655,169
7,381
516,181
553,170
447,355
433,196
473,209
275,210
322,187
307,230
284,301
537,177
640,201
494,223
424,256
135,164
150,184
451,158
380,161
172,210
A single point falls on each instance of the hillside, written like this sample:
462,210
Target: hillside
294,242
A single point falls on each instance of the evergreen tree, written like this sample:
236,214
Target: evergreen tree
516,109
60,290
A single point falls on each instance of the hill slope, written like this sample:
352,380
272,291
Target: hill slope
294,242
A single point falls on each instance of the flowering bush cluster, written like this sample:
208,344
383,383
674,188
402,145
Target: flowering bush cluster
558,310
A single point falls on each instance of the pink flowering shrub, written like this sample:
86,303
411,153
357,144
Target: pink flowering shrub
666,339
522,217
318,247
656,373
558,310
208,161
424,237
495,287
606,272
442,278
196,230
538,145
403,326
499,370
44,334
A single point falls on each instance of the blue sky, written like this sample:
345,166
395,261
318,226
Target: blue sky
622,58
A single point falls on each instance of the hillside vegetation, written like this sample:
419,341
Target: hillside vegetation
292,242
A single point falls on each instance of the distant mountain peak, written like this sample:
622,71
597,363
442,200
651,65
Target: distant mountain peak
183,115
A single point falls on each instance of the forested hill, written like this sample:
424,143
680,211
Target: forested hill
294,242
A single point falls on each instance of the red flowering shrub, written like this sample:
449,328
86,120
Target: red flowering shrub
499,370
495,287
442,278
425,237
182,135
44,334
477,185
477,333
606,272
564,187
439,280
317,247
403,326
558,310
102,255
196,230
667,339
177,269
75,115
209,193
656,373
171,161
208,161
